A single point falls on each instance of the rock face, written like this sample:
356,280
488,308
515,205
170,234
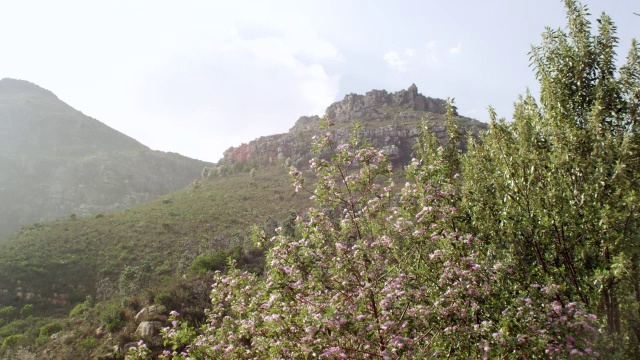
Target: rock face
389,120
356,107
148,329
56,161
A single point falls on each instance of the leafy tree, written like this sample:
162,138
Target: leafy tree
557,188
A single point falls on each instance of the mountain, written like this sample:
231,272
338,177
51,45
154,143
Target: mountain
56,161
389,121
159,252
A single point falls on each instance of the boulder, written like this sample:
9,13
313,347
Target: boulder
152,312
148,329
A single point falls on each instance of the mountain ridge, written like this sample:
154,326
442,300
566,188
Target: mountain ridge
389,120
55,161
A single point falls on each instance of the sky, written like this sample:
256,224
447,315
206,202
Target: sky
197,77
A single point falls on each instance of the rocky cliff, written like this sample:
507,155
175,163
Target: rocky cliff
56,161
389,120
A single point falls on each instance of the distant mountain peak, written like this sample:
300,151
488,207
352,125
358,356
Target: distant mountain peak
10,86
390,120
55,161
371,107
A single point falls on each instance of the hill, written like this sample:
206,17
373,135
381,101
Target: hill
128,259
56,161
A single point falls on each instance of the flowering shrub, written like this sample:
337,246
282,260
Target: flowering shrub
374,272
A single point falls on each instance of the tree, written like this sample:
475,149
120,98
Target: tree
559,185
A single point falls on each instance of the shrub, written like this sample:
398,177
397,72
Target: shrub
50,329
215,261
14,341
113,317
87,344
82,308
26,310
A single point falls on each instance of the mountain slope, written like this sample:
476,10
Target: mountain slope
56,161
248,186
54,265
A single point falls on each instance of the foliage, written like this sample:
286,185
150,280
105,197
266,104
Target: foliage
14,341
87,344
7,313
26,310
557,189
82,308
112,316
16,331
134,278
215,261
50,329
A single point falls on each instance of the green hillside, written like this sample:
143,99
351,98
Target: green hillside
55,265
66,255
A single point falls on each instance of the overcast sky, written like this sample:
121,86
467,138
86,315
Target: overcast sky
196,77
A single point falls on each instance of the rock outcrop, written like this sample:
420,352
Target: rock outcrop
148,329
389,120
357,107
152,312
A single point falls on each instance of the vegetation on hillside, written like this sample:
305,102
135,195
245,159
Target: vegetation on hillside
527,246
135,257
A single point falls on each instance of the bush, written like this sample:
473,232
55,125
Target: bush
14,341
42,340
113,317
50,329
82,308
7,312
87,344
215,261
26,310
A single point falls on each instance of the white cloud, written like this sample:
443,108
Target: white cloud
399,61
455,50
432,55
237,83
395,60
